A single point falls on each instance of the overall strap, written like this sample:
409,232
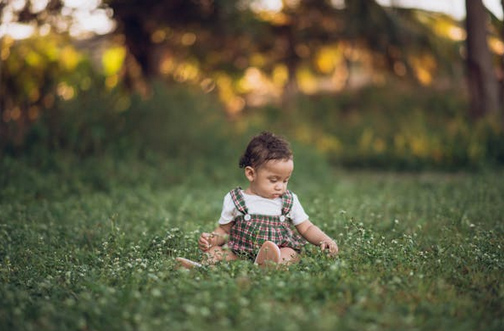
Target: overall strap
287,201
238,200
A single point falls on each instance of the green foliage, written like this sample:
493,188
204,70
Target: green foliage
391,127
373,128
35,74
417,252
172,122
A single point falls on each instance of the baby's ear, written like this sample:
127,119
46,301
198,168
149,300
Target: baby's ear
250,173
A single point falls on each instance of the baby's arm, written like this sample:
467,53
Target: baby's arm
317,237
217,238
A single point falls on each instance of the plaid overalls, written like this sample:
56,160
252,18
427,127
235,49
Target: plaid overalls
249,232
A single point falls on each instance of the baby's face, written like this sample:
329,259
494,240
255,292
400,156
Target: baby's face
270,180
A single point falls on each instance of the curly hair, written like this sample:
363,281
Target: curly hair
265,147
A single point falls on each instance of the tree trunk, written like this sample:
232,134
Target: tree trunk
291,60
502,68
291,88
482,79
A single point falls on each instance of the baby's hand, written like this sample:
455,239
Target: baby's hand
205,241
329,246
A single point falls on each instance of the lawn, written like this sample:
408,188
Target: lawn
418,251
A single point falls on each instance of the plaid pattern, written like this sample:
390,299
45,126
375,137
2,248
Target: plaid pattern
239,200
247,236
287,201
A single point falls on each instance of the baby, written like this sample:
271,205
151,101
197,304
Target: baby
265,222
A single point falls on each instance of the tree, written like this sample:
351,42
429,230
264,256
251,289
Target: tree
187,28
502,62
482,81
228,33
226,37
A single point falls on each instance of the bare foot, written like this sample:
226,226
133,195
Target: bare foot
268,254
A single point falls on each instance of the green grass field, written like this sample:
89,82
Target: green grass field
417,252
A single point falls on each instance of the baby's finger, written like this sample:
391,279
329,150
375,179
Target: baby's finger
333,249
204,247
203,244
206,240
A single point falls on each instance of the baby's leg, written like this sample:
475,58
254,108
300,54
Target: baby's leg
216,254
288,256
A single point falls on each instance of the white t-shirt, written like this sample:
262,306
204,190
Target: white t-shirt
262,206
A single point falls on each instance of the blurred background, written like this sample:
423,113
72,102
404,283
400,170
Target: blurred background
402,85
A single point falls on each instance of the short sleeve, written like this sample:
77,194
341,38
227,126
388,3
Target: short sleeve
298,215
229,211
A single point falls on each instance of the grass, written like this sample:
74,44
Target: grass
418,252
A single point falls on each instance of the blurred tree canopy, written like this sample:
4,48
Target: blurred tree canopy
231,36
243,51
